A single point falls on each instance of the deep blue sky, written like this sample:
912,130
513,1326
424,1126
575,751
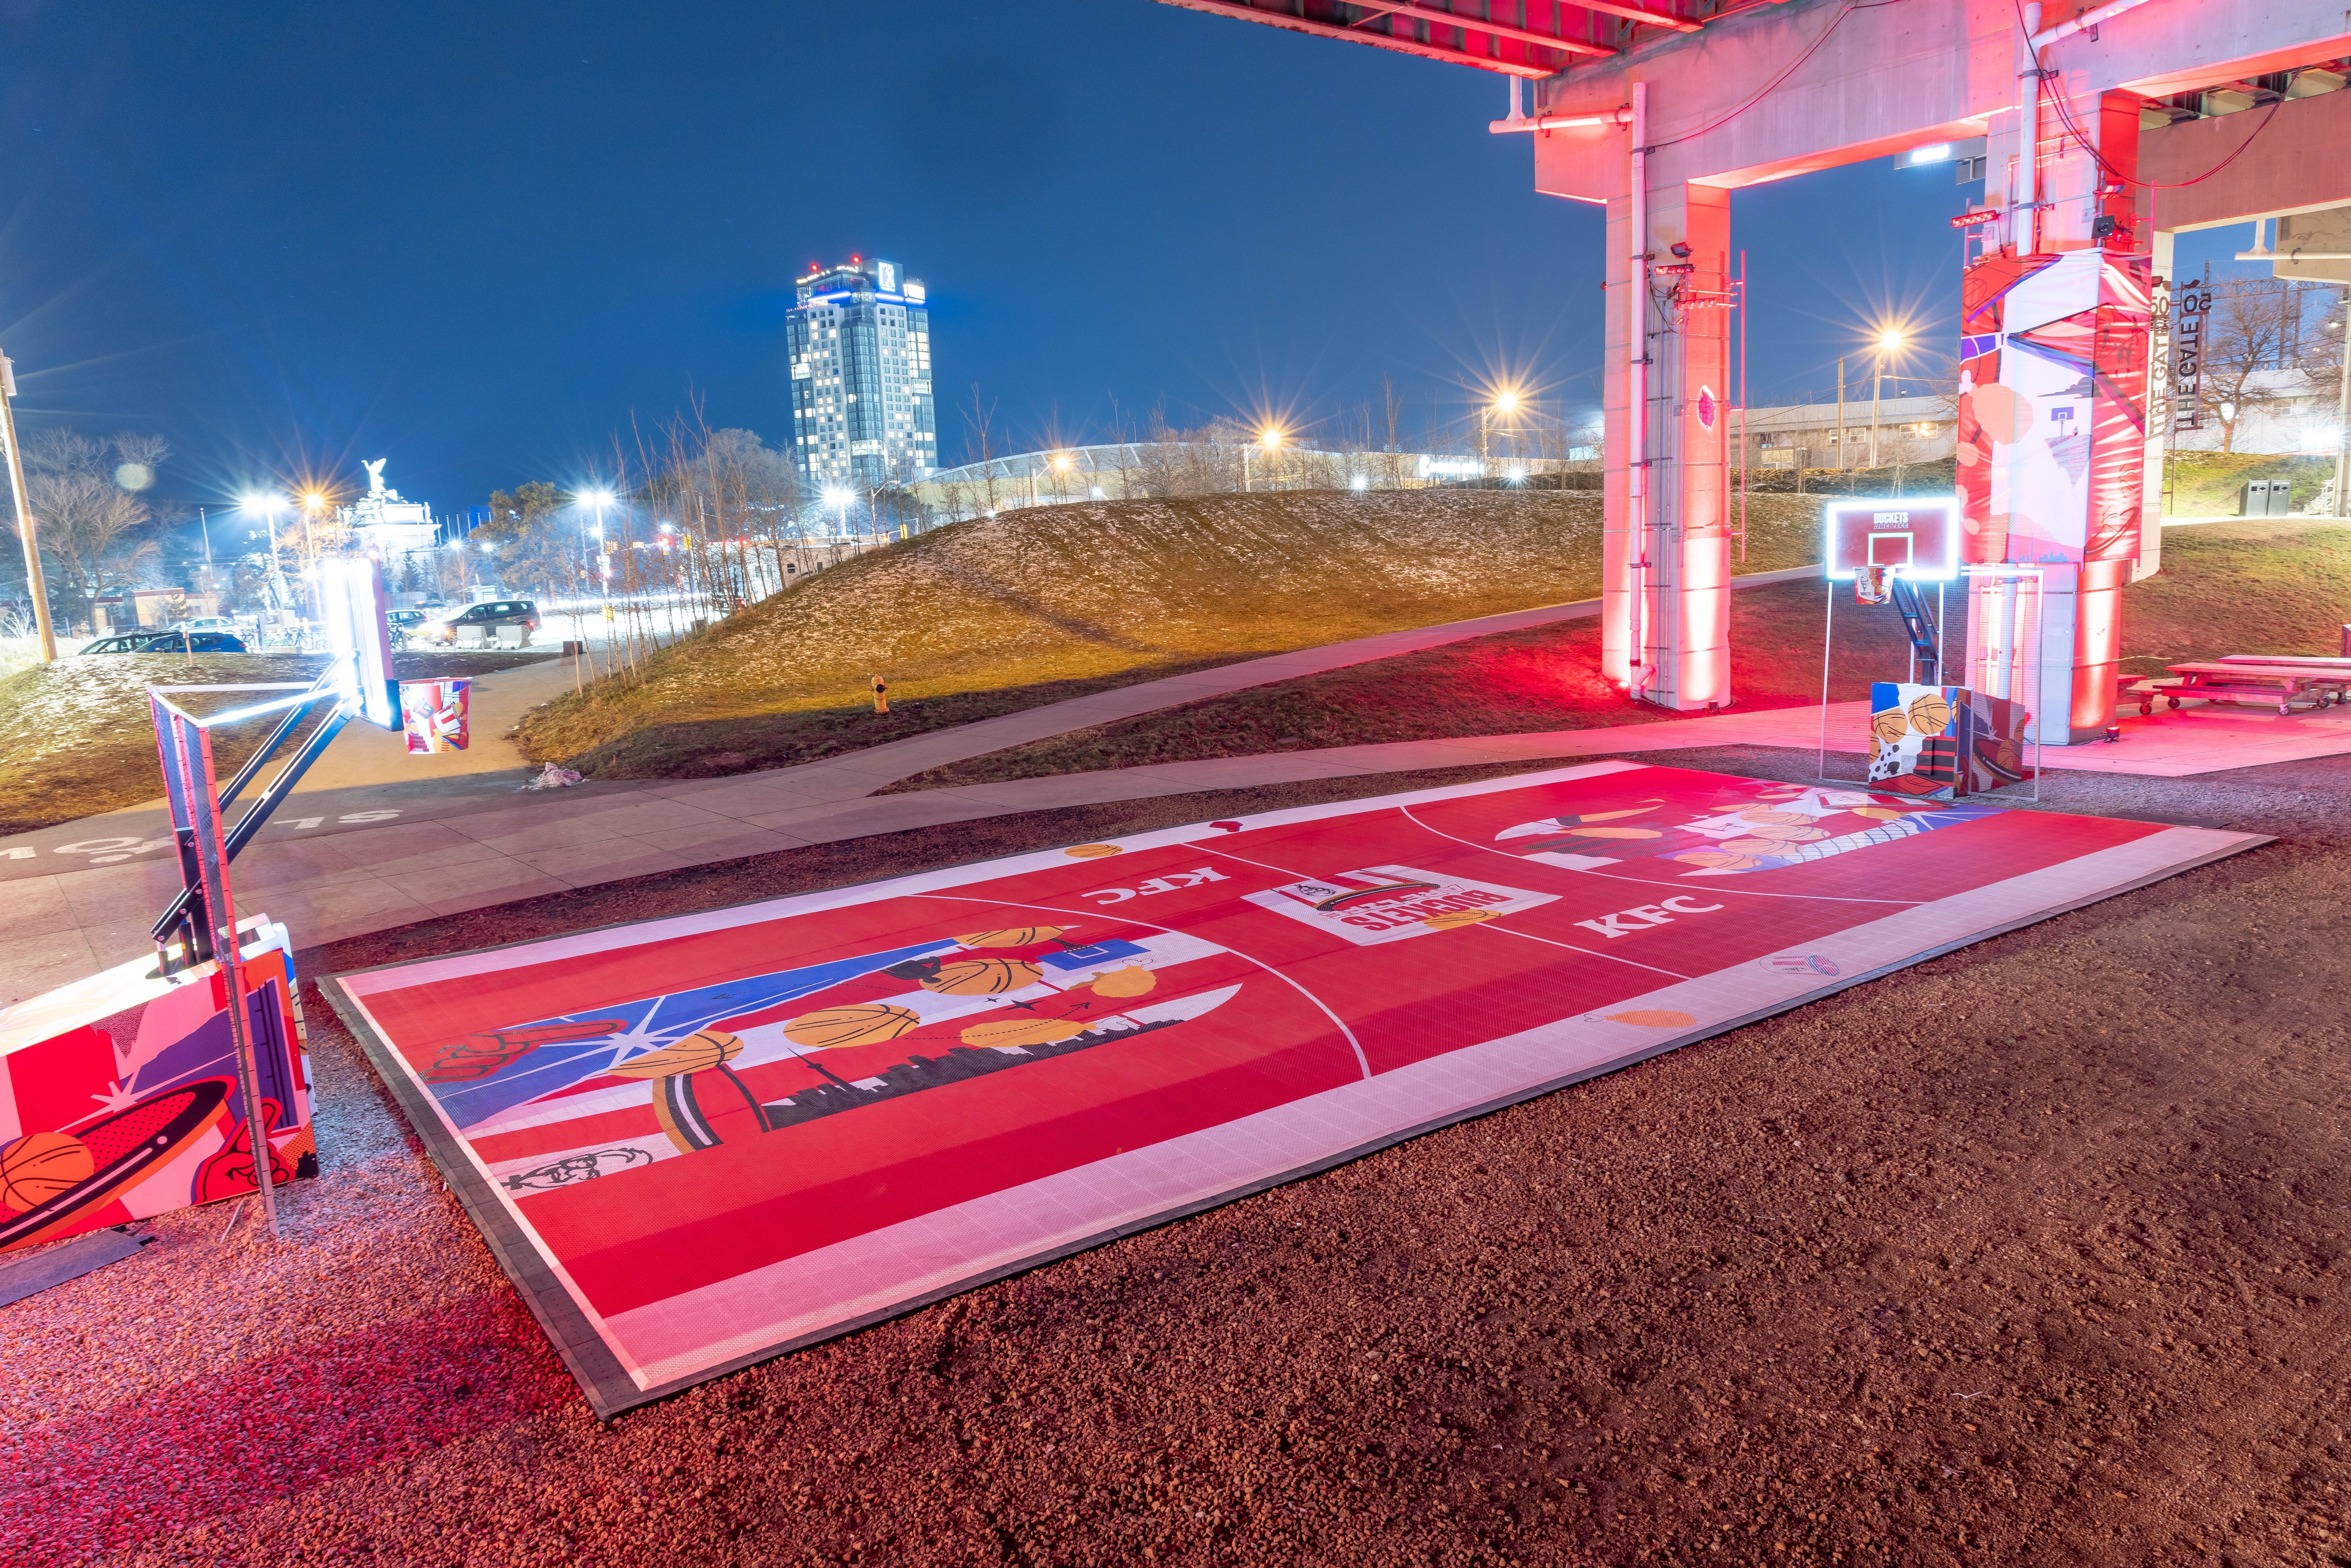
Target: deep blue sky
480,239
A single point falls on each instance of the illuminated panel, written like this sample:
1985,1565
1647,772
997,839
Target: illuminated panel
352,603
1918,535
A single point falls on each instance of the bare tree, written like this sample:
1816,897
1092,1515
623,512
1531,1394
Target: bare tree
90,522
2255,358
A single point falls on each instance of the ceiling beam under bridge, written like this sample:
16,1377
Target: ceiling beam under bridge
1512,48
1778,90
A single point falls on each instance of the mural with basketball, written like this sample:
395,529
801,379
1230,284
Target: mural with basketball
551,1102
95,1133
1937,743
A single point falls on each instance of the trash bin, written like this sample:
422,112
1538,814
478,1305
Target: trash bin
2268,498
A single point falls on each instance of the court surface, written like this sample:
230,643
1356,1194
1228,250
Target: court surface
696,1142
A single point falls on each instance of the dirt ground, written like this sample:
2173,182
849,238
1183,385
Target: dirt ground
2032,1253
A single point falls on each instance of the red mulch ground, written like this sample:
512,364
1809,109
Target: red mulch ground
1517,682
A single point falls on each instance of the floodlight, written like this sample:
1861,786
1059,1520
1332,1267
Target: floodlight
1062,462
835,495
1359,482
596,498
1517,473
1270,437
1504,402
268,506
1890,340
312,500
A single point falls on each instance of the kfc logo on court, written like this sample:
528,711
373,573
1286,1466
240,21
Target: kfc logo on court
1107,896
1625,921
1388,903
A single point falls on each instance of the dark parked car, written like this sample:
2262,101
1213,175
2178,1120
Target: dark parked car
445,627
168,642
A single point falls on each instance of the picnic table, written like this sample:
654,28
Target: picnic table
2283,682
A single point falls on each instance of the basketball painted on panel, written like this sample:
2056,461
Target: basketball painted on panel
1929,712
697,1052
1012,936
1022,1031
1134,980
983,977
39,1166
1453,917
1090,851
866,1023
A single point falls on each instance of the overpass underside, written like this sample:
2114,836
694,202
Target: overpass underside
2108,128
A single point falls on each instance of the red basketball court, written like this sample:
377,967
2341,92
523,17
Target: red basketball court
697,1142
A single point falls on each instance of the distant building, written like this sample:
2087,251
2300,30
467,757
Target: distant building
1824,436
860,372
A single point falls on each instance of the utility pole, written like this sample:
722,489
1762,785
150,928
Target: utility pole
35,585
1840,413
1876,401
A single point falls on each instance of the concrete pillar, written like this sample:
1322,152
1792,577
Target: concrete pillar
1665,595
2076,195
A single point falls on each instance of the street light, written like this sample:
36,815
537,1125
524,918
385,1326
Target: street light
1505,402
1889,341
268,506
1270,437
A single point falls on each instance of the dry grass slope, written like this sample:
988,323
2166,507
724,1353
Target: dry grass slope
1101,594
75,737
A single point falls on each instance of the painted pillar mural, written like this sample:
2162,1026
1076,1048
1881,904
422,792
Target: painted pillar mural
2055,339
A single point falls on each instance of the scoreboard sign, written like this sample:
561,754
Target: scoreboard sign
1915,537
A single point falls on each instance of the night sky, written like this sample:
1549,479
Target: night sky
481,241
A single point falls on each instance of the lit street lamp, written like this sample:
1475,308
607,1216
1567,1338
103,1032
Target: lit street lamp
1889,341
1505,402
268,506
600,499
1270,438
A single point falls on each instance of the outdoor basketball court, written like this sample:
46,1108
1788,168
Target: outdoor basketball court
694,1143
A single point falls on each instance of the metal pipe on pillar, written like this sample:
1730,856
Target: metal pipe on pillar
1636,453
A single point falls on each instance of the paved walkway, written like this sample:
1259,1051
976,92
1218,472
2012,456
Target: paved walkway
330,880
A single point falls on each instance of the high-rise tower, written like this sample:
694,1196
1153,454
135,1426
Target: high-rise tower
860,348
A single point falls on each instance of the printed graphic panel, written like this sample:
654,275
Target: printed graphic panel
95,1132
700,1140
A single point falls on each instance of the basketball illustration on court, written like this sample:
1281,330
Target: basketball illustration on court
697,1052
1013,936
869,1023
983,977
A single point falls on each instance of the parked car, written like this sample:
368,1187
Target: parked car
445,629
168,642
205,624
403,623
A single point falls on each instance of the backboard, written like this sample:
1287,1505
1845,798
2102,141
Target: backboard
1916,537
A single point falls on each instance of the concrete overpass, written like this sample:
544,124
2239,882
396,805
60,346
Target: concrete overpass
2106,127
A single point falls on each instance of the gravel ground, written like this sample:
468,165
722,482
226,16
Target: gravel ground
2029,1253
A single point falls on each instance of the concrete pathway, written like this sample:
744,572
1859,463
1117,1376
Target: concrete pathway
370,868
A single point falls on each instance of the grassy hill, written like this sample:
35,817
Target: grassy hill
994,615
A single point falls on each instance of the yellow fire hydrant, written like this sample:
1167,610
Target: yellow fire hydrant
881,694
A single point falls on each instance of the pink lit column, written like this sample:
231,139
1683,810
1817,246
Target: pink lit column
1665,551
